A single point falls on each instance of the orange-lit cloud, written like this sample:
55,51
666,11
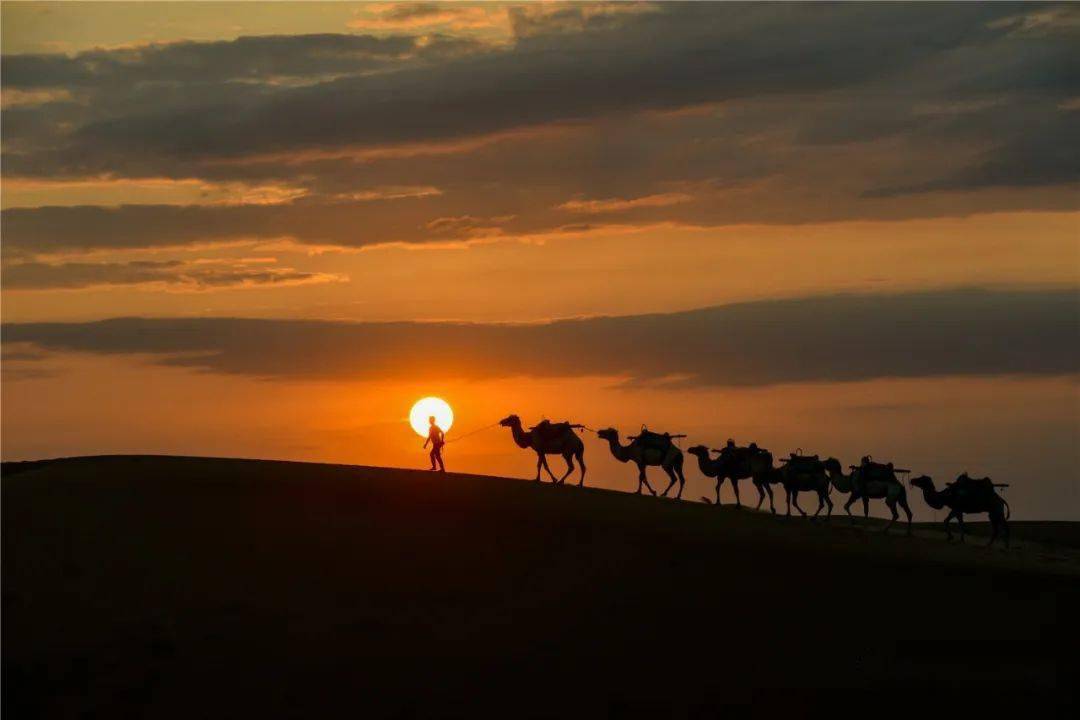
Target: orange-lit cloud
172,275
617,204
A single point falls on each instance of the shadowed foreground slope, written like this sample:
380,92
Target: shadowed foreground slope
186,587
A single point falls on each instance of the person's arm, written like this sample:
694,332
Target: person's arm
427,441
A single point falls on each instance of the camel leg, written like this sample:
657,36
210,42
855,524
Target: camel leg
671,479
794,500
772,504
543,459
569,458
643,480
735,487
539,464
719,482
998,523
828,501
948,530
866,506
761,495
892,508
960,522
581,462
821,498
907,511
682,480
848,504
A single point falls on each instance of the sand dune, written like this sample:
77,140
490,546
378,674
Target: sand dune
191,587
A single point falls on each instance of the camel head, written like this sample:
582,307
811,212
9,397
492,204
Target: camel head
700,450
923,482
608,434
510,421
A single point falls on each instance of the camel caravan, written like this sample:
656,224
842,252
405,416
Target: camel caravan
869,480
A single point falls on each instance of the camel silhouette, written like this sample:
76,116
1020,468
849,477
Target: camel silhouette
736,466
805,474
670,459
552,439
878,483
711,468
974,498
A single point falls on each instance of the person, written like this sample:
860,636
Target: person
437,439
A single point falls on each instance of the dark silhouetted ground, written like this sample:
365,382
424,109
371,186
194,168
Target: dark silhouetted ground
196,588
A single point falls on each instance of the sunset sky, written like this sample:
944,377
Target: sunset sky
264,230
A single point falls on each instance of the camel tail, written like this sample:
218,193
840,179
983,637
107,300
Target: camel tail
1008,511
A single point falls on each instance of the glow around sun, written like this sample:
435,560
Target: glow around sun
425,408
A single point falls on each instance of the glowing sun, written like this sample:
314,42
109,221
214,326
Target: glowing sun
425,408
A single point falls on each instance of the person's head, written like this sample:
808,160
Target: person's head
431,420
730,443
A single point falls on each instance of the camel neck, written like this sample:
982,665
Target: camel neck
617,449
522,438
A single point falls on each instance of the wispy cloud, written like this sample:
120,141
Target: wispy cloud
174,275
617,204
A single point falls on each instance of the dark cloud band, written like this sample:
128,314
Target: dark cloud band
817,339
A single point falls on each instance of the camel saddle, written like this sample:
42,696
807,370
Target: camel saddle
972,487
742,454
548,430
804,463
871,471
652,440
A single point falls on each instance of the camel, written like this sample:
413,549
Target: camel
882,486
805,473
969,499
670,460
737,466
562,440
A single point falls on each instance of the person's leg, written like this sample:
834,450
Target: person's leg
438,456
432,455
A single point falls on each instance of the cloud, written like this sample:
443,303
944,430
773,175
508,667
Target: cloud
172,274
259,58
815,339
689,54
617,204
414,15
800,114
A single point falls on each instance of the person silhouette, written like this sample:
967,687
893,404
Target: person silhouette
437,439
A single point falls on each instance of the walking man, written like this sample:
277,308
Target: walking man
437,439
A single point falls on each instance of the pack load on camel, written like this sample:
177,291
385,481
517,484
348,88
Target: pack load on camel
803,463
870,471
967,486
649,440
735,453
548,430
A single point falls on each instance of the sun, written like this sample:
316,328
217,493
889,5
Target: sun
425,408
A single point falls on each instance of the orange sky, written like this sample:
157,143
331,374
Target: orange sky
522,163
